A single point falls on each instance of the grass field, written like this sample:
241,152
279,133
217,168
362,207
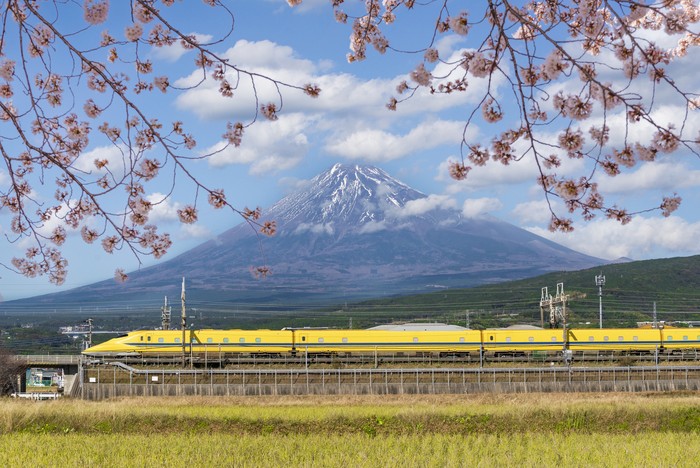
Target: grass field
439,430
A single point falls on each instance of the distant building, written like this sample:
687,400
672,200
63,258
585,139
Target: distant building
42,380
73,329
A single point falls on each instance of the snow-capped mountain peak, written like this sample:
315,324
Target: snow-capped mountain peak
347,194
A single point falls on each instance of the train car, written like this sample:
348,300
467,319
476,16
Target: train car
387,341
678,339
408,342
243,341
615,339
139,342
518,341
165,342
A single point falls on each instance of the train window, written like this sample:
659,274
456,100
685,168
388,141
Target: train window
590,338
635,338
193,340
685,337
177,340
620,338
554,338
507,339
142,338
491,337
320,340
531,339
210,340
605,338
241,340
344,340
461,339
303,338
148,338
258,340
225,340
669,338
161,340
415,339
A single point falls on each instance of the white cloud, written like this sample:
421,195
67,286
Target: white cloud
173,52
379,145
475,207
265,58
322,228
267,146
424,205
309,5
116,156
491,176
641,238
653,175
163,209
194,231
532,212
372,227
346,101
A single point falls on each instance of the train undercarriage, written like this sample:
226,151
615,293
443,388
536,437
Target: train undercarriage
427,359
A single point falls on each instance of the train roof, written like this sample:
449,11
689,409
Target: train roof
419,327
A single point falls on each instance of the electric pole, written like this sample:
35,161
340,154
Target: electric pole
600,282
556,306
165,315
546,302
89,338
183,321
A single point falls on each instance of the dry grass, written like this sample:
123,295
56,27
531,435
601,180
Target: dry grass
481,450
430,430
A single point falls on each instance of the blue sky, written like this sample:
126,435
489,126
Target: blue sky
349,123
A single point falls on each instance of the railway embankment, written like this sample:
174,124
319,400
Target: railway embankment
115,380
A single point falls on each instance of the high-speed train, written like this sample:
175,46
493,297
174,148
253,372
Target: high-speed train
291,341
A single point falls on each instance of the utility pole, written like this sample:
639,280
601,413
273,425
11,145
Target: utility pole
468,328
600,282
183,322
165,315
89,338
561,298
655,325
556,305
546,302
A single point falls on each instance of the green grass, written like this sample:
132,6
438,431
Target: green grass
438,430
307,450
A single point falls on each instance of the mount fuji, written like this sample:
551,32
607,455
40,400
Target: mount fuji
351,232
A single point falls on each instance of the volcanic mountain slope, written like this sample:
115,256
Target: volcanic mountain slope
351,232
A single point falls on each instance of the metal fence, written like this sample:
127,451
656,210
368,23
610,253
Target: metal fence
114,380
49,359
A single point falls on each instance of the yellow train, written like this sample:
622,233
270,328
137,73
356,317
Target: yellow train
346,342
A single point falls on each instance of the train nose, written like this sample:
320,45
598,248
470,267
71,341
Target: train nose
100,349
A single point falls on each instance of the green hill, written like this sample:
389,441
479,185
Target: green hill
629,294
